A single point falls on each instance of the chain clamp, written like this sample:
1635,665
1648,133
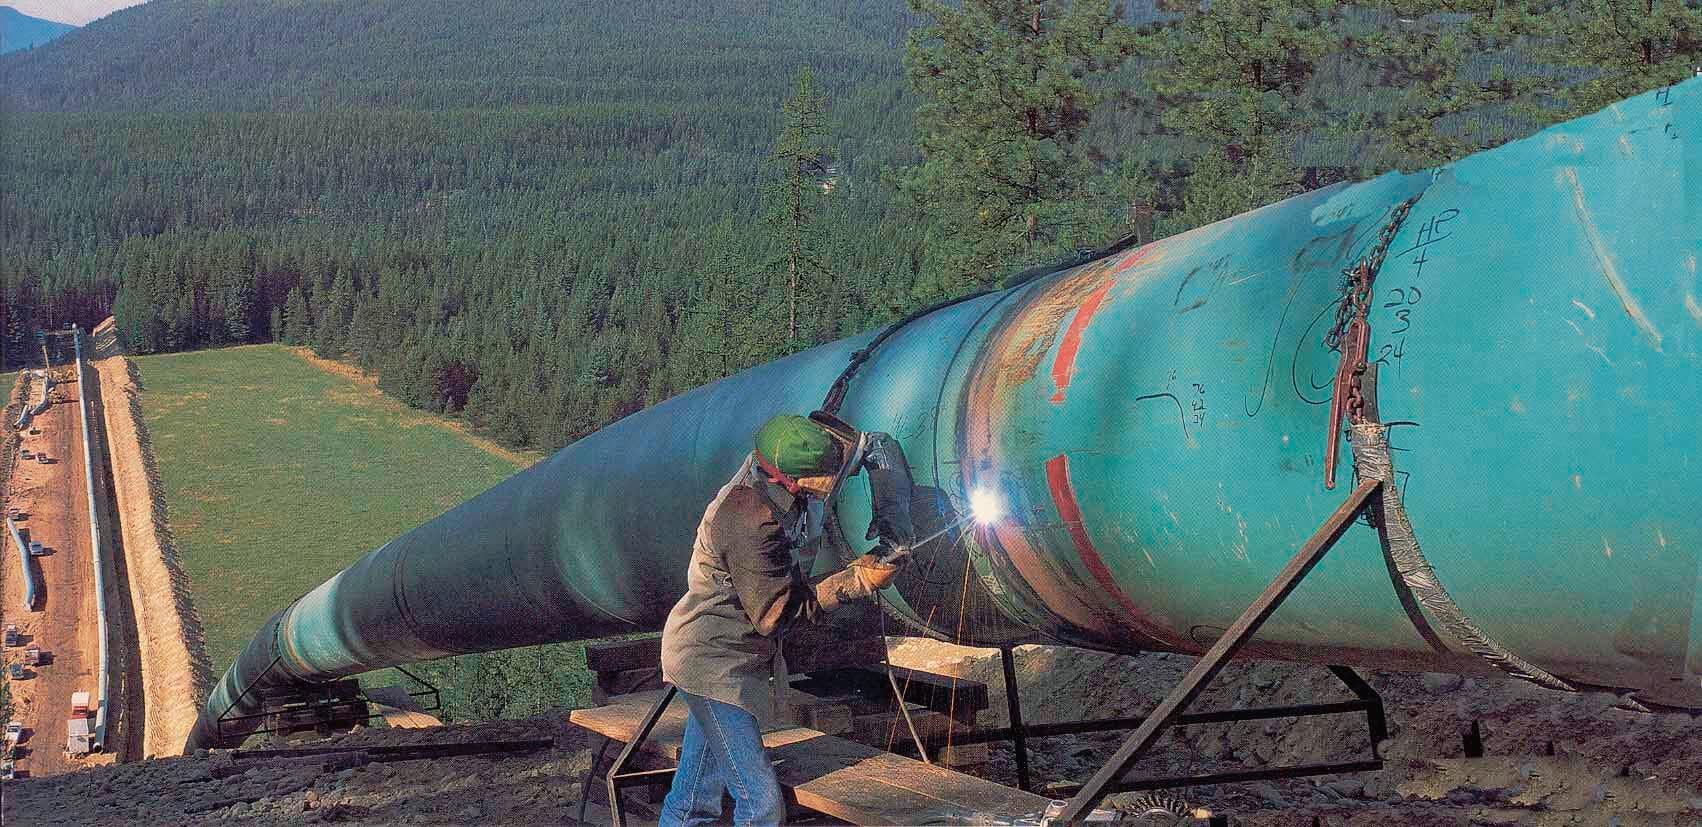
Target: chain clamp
1351,337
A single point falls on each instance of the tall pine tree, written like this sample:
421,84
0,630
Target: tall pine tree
1633,46
1006,88
798,181
1235,76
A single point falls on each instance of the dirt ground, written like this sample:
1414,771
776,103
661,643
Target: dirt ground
170,687
1549,758
1608,767
532,788
55,499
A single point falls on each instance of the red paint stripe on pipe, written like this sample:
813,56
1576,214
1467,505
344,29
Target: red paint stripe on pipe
1064,365
1064,497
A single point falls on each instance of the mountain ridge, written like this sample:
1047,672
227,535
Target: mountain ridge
19,31
192,55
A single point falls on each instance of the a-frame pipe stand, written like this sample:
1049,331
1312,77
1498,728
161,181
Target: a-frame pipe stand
1109,778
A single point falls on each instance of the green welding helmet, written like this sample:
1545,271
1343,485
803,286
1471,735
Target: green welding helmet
799,447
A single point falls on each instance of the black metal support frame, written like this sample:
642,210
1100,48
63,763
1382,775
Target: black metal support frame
312,705
1013,706
617,777
1170,711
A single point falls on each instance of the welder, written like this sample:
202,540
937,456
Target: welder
721,646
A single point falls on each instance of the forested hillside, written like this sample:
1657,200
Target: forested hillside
543,215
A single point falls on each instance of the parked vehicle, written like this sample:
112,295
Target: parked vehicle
37,549
8,770
43,459
78,739
15,671
14,733
26,453
11,634
80,704
32,655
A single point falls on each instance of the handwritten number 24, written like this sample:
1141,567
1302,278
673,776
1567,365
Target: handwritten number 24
1388,351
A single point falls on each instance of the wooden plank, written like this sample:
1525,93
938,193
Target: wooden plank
840,778
399,708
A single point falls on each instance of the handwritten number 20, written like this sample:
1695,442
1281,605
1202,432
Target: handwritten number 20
1404,295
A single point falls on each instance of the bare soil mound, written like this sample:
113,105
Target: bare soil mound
175,673
1549,757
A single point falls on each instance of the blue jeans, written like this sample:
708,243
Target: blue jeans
722,751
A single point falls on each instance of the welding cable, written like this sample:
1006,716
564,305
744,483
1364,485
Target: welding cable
1372,460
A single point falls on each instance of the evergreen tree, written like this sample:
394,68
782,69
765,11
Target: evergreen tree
297,321
331,328
1424,58
798,179
1235,76
237,305
1632,46
1006,87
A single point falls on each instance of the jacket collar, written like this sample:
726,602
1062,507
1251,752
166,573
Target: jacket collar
781,500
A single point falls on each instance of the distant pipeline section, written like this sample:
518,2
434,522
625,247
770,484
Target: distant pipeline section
1156,422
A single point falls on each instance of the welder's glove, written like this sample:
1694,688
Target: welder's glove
857,581
875,574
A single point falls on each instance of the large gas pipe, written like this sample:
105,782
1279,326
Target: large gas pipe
1155,423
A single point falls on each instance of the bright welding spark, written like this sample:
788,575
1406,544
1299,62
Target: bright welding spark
985,506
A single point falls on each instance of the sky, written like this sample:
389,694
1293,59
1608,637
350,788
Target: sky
75,12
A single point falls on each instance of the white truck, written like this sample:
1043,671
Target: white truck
78,739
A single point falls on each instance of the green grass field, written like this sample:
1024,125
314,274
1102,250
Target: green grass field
279,473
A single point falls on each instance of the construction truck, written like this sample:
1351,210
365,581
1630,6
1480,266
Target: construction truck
79,740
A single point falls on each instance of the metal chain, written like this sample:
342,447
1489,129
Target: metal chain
1356,291
1351,337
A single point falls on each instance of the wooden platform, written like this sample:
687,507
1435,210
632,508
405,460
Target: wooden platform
399,708
840,778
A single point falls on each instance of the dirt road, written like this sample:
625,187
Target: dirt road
54,497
